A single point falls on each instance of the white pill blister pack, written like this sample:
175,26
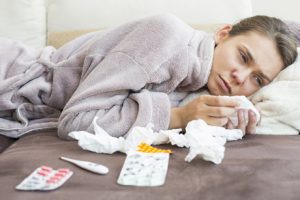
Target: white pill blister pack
144,169
45,178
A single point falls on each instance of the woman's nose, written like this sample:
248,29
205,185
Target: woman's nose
240,75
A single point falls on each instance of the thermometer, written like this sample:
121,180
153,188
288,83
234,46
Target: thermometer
90,166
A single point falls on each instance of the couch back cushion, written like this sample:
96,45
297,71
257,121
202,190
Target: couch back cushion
70,18
32,21
99,14
59,38
24,20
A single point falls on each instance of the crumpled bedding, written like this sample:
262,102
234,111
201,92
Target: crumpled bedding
24,84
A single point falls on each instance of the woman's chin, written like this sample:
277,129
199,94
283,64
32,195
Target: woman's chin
213,91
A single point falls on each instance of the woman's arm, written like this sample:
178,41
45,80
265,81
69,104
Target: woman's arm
214,110
114,91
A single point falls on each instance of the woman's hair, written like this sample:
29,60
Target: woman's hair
273,28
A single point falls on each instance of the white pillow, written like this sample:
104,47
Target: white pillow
66,15
280,103
24,20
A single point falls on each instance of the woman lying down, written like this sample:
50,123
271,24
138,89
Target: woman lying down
125,76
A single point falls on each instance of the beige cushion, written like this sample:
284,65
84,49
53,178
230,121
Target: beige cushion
65,15
57,39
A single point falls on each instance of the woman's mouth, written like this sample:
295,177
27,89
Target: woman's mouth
224,85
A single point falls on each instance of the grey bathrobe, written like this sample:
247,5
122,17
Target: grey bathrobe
125,76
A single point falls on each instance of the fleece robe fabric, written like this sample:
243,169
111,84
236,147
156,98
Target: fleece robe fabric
124,76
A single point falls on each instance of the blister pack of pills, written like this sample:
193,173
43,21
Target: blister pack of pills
143,147
45,178
144,169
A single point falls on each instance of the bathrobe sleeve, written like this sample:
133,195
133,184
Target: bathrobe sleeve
115,89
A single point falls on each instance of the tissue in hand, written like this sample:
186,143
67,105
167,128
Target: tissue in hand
245,104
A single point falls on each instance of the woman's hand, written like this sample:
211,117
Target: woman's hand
214,110
247,128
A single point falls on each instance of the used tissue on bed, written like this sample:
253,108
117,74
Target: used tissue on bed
201,139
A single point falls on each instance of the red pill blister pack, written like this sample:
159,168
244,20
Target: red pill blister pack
45,178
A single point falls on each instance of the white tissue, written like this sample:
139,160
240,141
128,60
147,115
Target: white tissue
100,142
208,141
179,140
202,139
146,135
245,104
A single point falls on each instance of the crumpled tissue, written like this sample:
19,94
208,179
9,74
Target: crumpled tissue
201,139
245,104
208,141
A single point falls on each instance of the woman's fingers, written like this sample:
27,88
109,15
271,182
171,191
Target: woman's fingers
247,126
229,125
217,121
259,110
251,127
220,101
242,122
215,111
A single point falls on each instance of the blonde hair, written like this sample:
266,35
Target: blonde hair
273,28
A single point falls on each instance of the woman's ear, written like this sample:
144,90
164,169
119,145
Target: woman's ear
222,33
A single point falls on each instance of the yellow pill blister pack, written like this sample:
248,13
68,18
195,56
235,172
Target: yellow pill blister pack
146,148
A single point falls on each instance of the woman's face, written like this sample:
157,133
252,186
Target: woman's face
242,64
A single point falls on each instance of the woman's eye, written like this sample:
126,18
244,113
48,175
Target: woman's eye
258,80
244,57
